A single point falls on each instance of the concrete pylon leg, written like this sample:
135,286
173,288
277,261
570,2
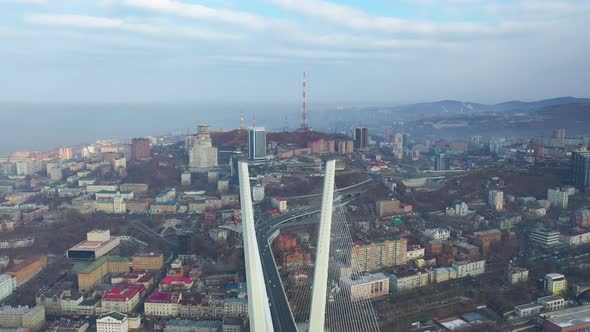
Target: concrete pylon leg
317,316
258,306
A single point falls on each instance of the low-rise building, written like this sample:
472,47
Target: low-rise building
576,237
469,269
517,275
68,325
163,304
387,207
23,317
176,283
96,271
98,243
544,237
457,209
112,322
440,234
7,285
529,309
151,261
567,320
555,283
27,268
366,287
551,302
414,252
184,325
442,274
124,298
279,203
408,280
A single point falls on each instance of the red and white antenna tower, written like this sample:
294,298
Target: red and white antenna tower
241,120
254,120
304,125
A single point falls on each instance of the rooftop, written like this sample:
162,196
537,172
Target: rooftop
174,280
194,323
115,315
102,260
92,245
163,297
122,293
569,317
549,298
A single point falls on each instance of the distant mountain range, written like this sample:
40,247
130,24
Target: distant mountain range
458,107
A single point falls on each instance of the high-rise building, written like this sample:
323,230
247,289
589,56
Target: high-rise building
372,256
140,148
256,143
361,138
398,146
559,133
442,163
202,155
558,198
496,199
65,153
581,169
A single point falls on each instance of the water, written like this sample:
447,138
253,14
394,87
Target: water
48,126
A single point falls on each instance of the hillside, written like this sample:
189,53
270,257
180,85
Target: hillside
239,137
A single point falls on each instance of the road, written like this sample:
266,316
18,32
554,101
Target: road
282,316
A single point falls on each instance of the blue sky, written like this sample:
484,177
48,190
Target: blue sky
256,50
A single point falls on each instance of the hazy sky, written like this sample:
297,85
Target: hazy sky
252,50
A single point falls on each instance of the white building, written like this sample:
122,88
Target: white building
459,209
414,252
552,302
185,179
279,203
202,155
398,146
54,171
258,193
7,285
517,275
496,199
529,309
120,164
28,167
558,198
366,287
407,281
112,322
575,239
439,233
469,269
544,237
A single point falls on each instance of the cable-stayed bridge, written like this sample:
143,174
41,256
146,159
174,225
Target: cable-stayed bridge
312,296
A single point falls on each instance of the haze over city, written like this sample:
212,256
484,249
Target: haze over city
294,165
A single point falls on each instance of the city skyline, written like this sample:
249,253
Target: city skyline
394,51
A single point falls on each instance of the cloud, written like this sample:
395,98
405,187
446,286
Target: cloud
537,7
178,8
358,20
25,2
101,23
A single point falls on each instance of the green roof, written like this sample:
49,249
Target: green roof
101,260
397,221
114,191
115,315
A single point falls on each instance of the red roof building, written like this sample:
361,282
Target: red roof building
176,283
122,298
